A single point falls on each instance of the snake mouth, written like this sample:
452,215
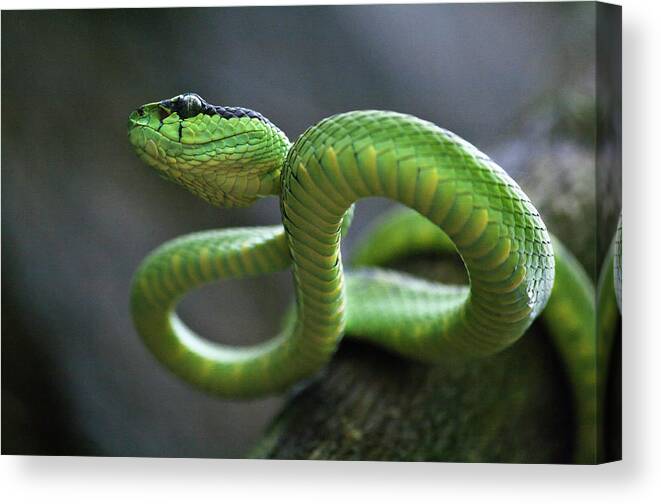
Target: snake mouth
170,128
161,138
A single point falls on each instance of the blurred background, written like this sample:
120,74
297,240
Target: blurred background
79,210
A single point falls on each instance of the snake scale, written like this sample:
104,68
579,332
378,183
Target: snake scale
461,200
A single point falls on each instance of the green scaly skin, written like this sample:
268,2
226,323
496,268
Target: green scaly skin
231,157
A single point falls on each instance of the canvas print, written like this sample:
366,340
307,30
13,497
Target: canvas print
384,232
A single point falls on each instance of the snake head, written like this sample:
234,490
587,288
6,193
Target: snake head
229,156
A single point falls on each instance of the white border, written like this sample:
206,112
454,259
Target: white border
111,480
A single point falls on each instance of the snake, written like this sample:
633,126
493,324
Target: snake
455,199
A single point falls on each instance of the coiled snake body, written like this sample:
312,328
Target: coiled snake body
232,156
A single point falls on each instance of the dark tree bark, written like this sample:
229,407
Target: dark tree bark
370,405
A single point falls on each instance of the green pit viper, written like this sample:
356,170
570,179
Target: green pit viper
231,156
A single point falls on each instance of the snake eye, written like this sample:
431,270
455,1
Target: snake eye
190,105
